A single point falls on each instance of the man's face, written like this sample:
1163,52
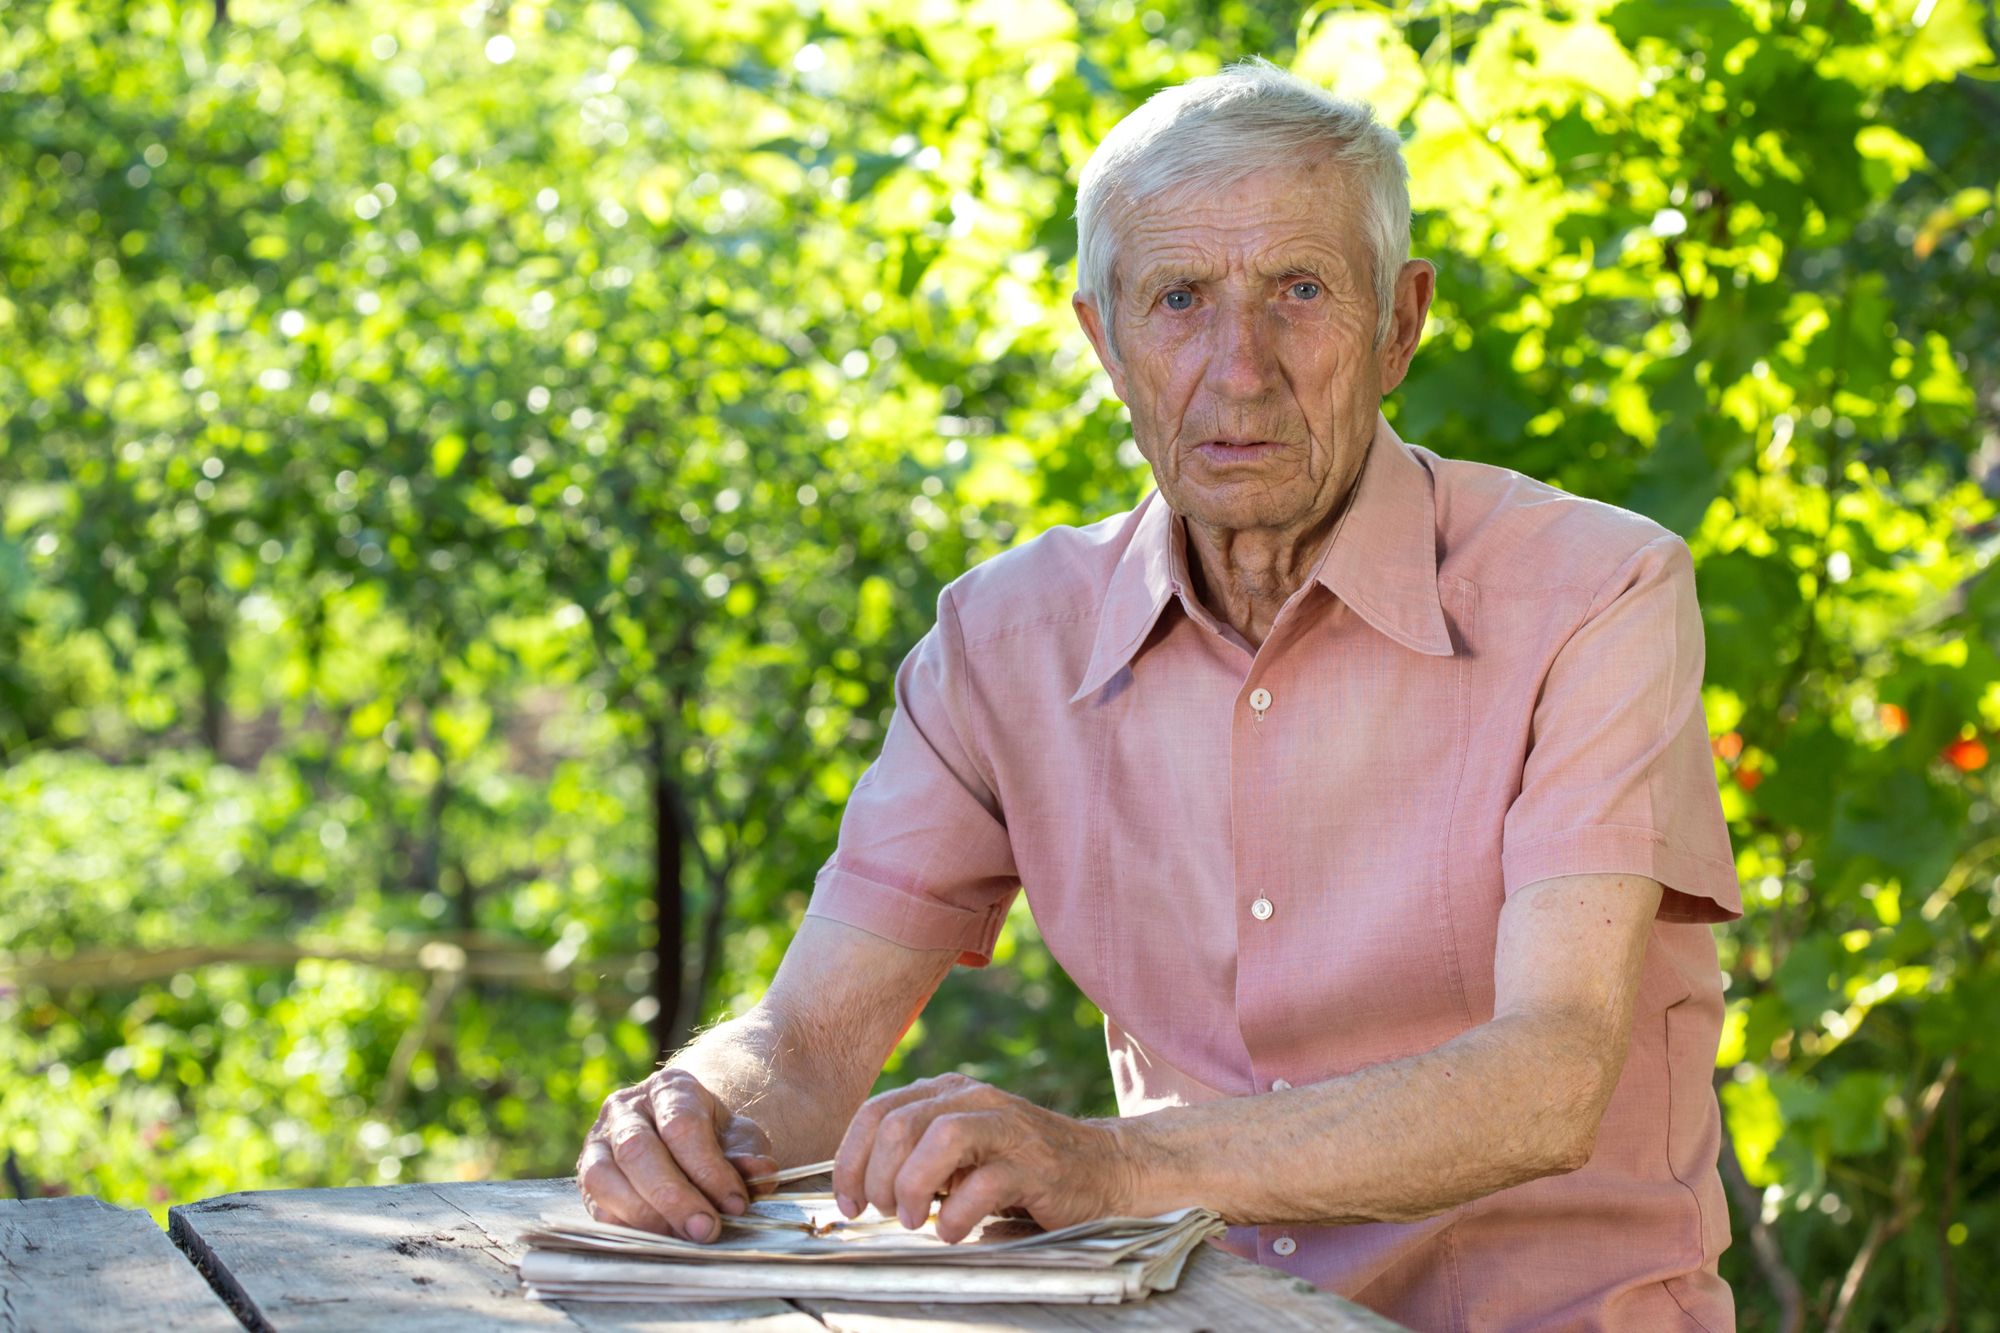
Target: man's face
1245,346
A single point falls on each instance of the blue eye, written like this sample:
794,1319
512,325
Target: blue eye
1180,300
1305,291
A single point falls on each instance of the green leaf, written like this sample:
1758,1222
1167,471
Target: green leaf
1854,1112
1676,482
1899,821
1809,981
1800,793
870,170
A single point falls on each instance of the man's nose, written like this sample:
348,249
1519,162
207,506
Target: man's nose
1243,361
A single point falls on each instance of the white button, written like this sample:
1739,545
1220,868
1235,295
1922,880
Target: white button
1260,699
1261,909
1279,1085
1283,1245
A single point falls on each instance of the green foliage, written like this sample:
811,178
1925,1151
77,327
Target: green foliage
180,831
461,463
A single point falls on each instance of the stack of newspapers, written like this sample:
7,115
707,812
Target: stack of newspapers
800,1246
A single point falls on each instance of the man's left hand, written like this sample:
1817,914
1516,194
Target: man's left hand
992,1152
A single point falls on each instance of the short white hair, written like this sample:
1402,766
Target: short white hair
1214,132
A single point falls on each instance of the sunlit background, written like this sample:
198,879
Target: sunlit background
471,471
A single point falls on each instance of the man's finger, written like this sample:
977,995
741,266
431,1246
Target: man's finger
647,1164
982,1193
685,1116
608,1195
750,1165
953,1143
898,1136
747,1148
851,1164
743,1139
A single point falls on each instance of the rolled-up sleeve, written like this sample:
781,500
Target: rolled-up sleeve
923,857
1619,777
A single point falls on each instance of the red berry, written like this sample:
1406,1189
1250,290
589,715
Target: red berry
1966,755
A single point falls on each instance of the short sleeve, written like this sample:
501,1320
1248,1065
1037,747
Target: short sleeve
1619,777
924,858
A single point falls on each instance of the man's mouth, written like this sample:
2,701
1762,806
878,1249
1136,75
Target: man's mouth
1236,451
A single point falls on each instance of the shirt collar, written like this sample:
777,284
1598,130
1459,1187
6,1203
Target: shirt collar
1382,563
1384,557
1141,583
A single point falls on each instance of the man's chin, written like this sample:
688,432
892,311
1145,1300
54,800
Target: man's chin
1241,513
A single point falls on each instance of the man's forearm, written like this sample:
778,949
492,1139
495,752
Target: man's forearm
1507,1102
804,1058
777,1086
764,1067
1393,1143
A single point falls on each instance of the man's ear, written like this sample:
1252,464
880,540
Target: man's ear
1416,287
1093,329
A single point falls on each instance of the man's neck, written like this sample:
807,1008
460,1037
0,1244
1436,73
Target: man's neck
1244,576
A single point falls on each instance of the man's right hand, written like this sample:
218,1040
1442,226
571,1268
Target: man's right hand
670,1155
667,1156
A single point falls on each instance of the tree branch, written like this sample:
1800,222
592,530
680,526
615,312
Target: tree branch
1903,1202
447,967
1946,1188
504,962
1764,1248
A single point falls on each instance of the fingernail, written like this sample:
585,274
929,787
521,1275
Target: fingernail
903,1216
734,1204
702,1227
846,1205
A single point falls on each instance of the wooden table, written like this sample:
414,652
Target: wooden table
440,1259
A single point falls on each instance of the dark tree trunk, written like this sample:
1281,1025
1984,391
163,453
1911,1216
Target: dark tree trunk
427,869
207,617
703,982
212,710
669,905
465,900
427,875
208,646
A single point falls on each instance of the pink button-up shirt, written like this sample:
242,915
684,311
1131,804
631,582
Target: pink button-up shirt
1275,867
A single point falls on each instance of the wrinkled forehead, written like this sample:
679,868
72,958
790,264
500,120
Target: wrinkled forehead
1257,217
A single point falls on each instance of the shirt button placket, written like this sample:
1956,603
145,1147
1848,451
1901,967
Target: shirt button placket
1261,907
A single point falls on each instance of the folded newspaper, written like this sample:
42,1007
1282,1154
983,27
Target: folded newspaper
801,1246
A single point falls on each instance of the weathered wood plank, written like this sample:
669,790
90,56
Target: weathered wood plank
1218,1293
416,1259
81,1264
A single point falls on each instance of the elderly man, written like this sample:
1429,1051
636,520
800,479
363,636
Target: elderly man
1366,792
